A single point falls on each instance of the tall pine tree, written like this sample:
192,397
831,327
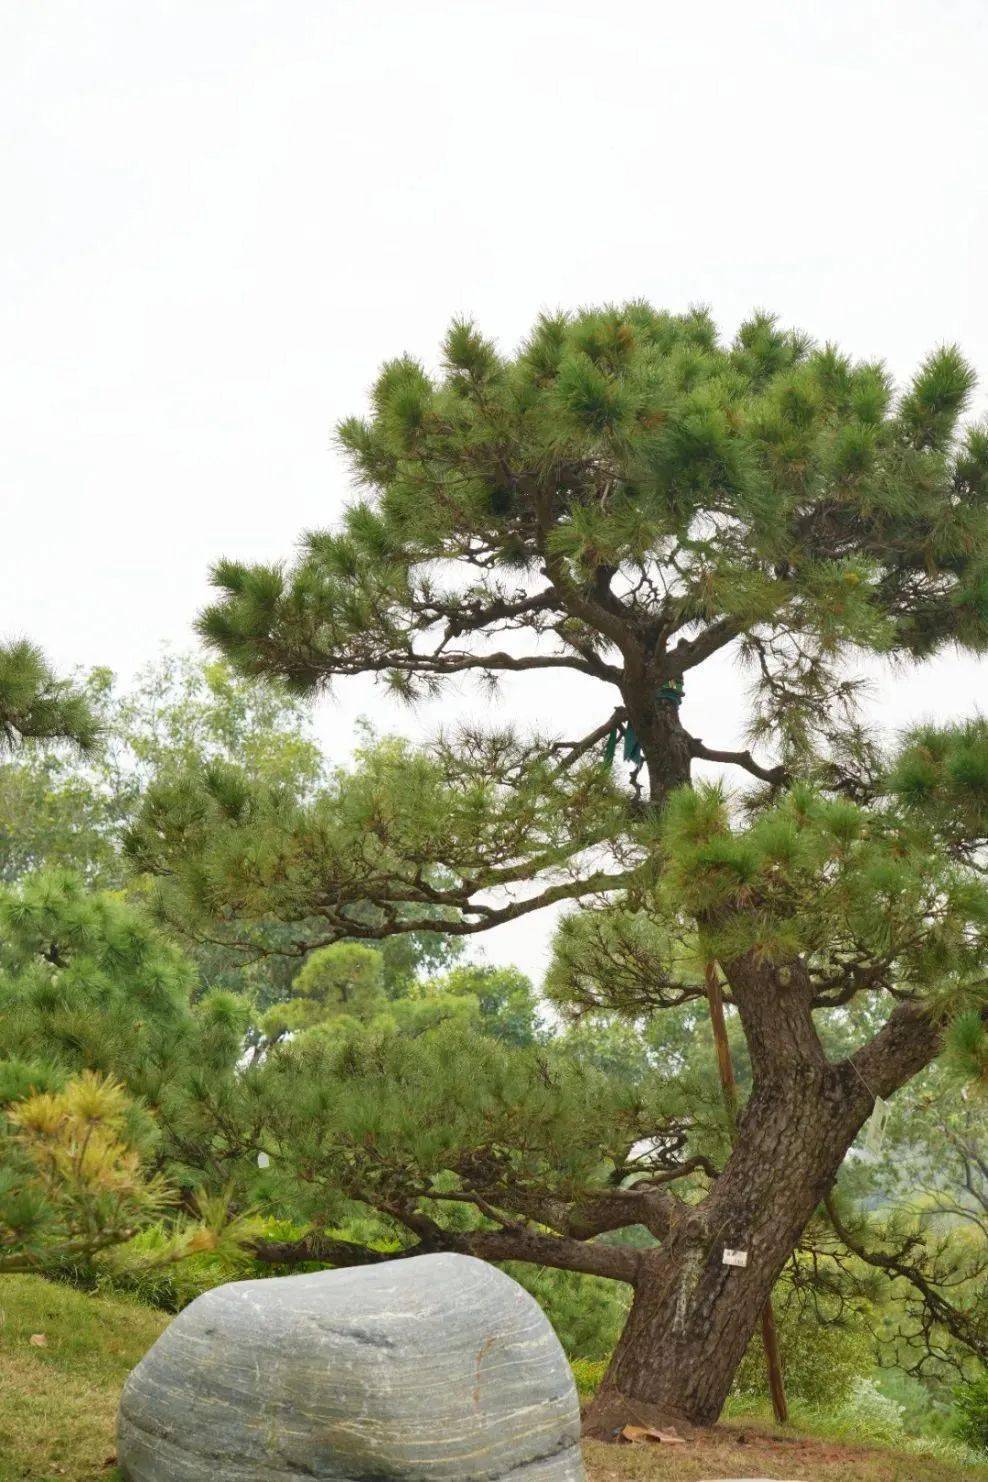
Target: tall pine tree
625,499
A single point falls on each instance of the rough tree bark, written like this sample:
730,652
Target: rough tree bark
725,1066
692,1316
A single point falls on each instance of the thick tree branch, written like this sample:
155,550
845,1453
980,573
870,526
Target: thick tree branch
576,749
325,1250
619,1262
441,663
598,884
594,604
774,775
909,1040
690,652
473,615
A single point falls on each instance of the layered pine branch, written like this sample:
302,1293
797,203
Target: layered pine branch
37,706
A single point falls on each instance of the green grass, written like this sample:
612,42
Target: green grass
58,1402
58,1408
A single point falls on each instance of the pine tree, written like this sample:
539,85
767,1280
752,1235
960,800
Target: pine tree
624,499
35,705
73,1180
101,1052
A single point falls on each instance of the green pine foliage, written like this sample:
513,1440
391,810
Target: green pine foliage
84,979
780,486
343,979
967,1047
635,494
413,824
73,1180
972,1414
450,1120
823,878
35,705
586,1312
88,984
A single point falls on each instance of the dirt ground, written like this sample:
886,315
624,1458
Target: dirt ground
729,1451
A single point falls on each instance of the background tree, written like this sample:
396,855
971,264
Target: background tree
916,1213
65,806
624,499
95,1020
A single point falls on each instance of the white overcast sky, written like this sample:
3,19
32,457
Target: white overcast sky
219,216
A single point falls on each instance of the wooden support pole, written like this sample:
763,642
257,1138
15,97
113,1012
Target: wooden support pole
729,1087
773,1363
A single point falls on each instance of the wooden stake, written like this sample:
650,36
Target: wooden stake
722,1044
773,1363
729,1087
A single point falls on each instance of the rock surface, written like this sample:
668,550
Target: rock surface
438,1367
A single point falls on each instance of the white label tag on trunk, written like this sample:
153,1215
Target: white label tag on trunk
875,1135
735,1258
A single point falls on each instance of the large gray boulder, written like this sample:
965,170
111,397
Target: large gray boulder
433,1368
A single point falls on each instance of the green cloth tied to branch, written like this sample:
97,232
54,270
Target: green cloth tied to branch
672,693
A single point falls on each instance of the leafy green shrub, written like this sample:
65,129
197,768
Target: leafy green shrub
588,1373
924,1410
869,1414
169,1285
821,1362
168,1266
971,1413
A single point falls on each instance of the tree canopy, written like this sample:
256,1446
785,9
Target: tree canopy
624,498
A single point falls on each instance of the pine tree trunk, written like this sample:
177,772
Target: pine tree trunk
693,1316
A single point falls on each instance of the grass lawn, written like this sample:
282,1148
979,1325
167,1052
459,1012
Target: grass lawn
58,1404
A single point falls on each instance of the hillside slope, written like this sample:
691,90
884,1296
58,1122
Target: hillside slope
58,1401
